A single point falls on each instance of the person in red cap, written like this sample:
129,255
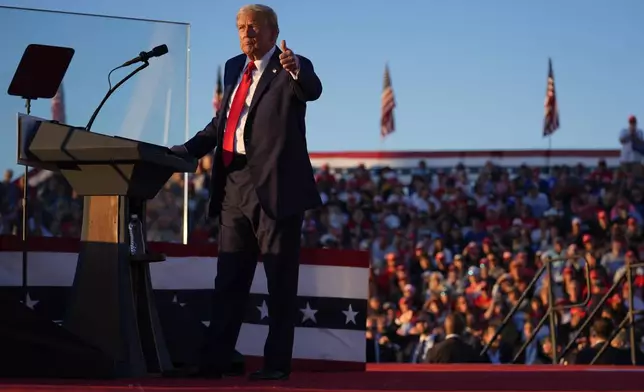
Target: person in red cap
629,138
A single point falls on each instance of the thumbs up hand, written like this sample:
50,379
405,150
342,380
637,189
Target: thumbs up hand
288,59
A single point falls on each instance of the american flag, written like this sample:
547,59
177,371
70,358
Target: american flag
387,125
551,115
219,93
58,106
329,331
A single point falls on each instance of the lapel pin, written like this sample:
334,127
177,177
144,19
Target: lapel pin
274,70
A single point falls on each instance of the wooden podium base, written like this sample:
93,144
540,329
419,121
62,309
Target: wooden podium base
112,304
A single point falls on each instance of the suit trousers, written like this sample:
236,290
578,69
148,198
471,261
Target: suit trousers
246,235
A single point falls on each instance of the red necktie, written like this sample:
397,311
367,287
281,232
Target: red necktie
235,111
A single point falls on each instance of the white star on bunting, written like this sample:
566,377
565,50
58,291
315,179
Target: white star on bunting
175,300
350,315
263,310
29,302
309,314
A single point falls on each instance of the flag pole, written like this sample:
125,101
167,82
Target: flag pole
549,153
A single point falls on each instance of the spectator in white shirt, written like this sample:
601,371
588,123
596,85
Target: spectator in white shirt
537,201
422,199
614,260
626,138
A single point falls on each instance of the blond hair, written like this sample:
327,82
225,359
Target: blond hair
267,14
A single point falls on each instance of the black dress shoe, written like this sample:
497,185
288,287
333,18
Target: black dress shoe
266,375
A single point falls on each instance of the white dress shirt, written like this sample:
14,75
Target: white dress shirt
260,67
628,155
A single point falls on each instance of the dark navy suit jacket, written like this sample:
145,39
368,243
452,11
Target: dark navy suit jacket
274,137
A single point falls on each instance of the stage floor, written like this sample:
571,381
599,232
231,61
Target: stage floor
379,377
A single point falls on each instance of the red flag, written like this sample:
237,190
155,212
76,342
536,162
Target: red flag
219,93
58,106
551,109
388,104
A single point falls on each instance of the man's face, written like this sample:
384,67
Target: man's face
547,347
256,38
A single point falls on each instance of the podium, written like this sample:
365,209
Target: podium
111,306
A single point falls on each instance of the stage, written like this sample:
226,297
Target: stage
379,377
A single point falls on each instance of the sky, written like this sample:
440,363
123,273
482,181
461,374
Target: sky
467,74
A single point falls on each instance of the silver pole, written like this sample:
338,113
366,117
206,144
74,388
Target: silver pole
187,130
25,222
168,110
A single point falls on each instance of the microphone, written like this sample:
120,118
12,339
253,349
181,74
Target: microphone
145,56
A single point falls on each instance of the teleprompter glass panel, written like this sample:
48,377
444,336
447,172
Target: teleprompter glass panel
150,107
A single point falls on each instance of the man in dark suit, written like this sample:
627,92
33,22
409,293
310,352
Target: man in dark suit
621,342
600,332
262,183
498,352
453,349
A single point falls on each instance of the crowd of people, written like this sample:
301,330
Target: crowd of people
451,255
453,258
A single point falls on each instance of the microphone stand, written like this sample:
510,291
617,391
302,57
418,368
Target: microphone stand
112,90
25,222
